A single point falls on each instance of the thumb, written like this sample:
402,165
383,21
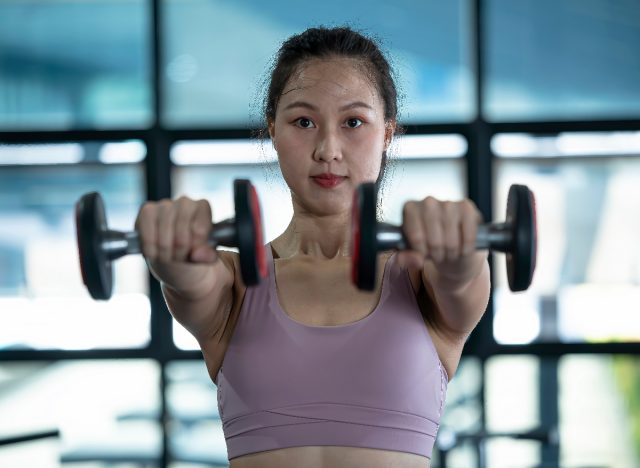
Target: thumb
203,254
410,258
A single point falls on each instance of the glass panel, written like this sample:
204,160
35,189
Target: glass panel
461,417
89,403
195,434
80,64
43,302
217,53
572,59
420,166
588,250
599,411
511,399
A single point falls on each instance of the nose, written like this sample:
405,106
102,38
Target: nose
327,146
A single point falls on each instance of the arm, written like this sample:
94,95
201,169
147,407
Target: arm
197,281
204,313
460,300
442,237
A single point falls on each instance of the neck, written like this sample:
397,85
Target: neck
322,237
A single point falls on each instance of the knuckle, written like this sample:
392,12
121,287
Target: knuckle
432,208
200,228
435,244
181,240
164,243
146,212
165,203
409,208
416,239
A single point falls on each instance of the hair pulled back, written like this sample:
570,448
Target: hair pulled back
321,42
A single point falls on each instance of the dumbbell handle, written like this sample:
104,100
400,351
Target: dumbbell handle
117,244
494,236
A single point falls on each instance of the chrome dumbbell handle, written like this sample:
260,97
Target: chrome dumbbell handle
117,244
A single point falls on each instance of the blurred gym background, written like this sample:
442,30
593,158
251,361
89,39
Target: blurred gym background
148,99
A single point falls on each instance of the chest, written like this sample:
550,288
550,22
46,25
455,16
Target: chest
322,294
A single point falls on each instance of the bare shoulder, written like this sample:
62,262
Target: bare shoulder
449,348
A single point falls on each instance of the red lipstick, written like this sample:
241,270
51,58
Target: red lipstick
328,180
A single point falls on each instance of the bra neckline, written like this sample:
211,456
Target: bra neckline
275,300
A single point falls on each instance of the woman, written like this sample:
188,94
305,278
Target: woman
311,371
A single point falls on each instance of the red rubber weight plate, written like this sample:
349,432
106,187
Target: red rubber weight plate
248,225
259,241
363,237
521,259
95,265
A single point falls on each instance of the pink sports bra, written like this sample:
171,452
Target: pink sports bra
375,383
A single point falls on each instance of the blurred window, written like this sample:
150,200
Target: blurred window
598,408
80,64
43,301
217,55
101,409
585,288
572,59
195,432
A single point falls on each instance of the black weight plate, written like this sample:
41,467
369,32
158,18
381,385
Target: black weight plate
364,251
248,224
95,266
521,259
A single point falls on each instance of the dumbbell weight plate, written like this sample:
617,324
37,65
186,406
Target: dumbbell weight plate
364,251
521,215
248,223
95,266
95,260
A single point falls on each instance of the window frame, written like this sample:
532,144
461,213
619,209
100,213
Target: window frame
479,161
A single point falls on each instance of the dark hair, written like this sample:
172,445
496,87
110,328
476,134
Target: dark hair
321,42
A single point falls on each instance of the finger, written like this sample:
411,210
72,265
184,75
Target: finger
451,230
166,220
432,218
145,225
413,227
200,229
471,219
182,243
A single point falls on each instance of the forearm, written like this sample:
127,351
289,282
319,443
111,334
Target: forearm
460,291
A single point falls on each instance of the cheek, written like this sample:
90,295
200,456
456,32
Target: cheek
369,153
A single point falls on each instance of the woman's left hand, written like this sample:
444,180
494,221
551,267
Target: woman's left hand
444,233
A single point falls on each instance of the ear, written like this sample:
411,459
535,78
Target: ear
389,132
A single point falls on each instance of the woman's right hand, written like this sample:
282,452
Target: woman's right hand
174,241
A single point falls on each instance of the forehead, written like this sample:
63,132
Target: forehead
332,78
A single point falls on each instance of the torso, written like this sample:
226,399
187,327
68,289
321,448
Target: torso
304,287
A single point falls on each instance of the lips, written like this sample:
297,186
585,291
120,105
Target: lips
328,180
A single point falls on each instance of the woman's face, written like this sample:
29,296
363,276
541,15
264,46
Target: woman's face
329,132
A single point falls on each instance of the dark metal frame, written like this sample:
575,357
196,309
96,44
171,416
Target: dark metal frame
479,164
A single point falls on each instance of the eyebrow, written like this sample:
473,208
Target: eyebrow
307,105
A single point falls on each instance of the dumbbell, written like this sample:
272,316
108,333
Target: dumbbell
517,237
98,246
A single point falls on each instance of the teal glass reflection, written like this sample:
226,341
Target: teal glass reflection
43,301
217,54
68,65
572,59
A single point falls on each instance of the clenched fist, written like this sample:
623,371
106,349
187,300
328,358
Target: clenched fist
173,240
444,233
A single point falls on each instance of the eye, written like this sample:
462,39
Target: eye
353,122
303,122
